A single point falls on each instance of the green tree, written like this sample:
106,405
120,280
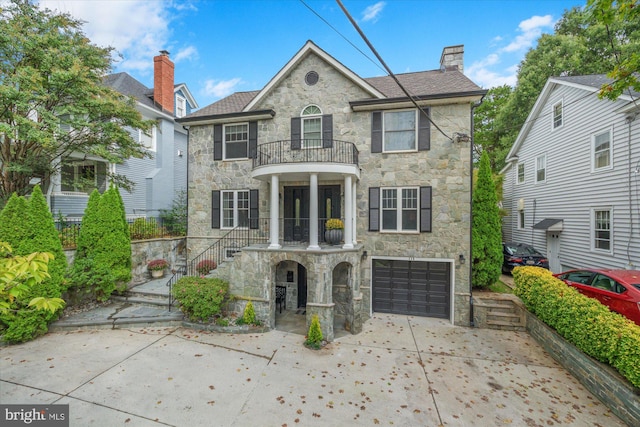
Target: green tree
175,218
89,231
13,227
50,73
114,248
623,41
580,45
486,231
486,137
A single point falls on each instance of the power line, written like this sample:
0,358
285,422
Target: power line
341,35
411,98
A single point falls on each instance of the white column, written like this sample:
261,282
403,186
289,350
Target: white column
355,213
348,213
274,213
313,212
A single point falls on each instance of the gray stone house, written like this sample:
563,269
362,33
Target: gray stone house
268,168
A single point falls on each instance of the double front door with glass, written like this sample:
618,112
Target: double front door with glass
296,211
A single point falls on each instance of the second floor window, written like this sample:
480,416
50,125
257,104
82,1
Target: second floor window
181,106
557,115
311,127
602,150
400,130
541,168
520,173
399,209
236,141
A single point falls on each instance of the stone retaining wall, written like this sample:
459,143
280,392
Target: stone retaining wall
603,381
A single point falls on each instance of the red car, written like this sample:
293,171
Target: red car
617,289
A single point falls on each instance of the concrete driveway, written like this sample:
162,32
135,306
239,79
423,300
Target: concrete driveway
401,371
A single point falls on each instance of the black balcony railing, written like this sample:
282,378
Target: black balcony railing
312,151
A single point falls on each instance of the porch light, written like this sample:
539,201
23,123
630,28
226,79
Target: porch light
461,259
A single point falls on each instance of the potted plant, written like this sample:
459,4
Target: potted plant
205,266
156,267
333,233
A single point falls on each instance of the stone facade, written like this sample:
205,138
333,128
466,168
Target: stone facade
340,281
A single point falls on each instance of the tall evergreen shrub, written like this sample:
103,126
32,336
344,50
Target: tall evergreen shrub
13,227
486,229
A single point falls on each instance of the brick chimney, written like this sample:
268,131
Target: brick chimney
163,81
452,58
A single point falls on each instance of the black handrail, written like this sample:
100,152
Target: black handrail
310,151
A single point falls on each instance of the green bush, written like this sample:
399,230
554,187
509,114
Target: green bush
314,337
602,334
201,298
248,316
143,228
175,218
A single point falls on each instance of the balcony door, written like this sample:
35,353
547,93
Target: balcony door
296,211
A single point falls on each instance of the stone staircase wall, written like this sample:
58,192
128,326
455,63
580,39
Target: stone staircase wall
498,311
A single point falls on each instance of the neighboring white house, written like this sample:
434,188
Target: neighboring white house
572,180
157,179
267,168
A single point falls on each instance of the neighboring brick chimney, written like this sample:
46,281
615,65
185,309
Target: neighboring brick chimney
452,58
163,81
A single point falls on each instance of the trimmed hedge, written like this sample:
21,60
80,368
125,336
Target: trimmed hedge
201,298
602,334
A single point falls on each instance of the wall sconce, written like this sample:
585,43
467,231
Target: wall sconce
461,259
179,153
364,255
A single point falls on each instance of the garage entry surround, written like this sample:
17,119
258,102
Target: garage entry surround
413,286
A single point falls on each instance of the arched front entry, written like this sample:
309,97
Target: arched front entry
290,297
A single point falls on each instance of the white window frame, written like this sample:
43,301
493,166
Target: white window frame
555,118
311,112
542,157
78,165
181,106
149,141
594,167
521,219
518,181
415,131
235,208
399,208
594,229
224,141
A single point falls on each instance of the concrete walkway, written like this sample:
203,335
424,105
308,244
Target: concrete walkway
400,371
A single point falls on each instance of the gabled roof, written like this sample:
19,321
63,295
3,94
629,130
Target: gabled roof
309,48
128,86
589,83
187,93
434,83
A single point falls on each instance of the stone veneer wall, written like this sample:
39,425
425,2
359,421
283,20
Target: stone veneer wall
604,382
446,167
144,251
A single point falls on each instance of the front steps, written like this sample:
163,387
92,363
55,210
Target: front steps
498,311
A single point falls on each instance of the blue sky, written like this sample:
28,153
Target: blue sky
224,46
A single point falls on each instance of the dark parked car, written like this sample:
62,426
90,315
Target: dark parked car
519,254
617,289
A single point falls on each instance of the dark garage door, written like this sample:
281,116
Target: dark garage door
418,288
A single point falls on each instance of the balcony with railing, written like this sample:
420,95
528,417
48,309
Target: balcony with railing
294,157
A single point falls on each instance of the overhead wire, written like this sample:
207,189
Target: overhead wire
388,70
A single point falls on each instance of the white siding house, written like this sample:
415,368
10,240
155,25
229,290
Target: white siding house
572,180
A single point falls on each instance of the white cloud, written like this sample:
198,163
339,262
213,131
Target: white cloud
531,29
189,53
221,88
482,72
137,29
371,13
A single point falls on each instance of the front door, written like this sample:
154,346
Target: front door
296,211
553,252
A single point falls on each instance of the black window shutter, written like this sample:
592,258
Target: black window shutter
327,131
217,142
425,209
215,209
295,133
253,209
376,132
374,209
424,130
253,139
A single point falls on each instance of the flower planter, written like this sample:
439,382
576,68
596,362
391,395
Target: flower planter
156,274
333,237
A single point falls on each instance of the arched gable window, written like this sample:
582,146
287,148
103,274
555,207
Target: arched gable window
311,127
